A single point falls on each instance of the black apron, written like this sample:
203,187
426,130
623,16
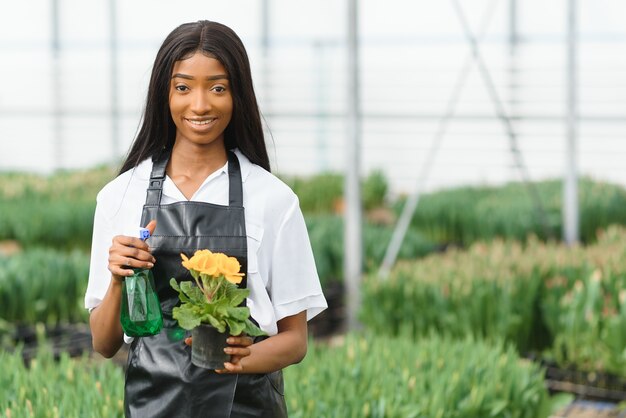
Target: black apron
161,381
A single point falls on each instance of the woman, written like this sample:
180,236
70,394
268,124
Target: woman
197,176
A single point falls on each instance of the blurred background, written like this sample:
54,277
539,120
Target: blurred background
488,137
77,76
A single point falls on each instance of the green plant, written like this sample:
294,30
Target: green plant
488,291
464,215
565,303
43,285
326,235
214,298
377,376
63,387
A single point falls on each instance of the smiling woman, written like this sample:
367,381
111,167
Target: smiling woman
198,176
201,103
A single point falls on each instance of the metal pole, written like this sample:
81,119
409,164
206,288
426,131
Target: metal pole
265,48
570,183
352,215
321,97
513,79
56,87
113,51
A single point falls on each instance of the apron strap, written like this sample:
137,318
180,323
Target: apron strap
235,193
157,177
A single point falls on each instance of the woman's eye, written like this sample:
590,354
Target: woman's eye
182,88
219,89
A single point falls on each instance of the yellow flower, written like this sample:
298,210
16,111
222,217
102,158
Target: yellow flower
229,267
203,261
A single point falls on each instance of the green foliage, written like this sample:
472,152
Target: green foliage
585,308
374,376
359,376
64,387
54,211
222,312
467,214
569,303
326,236
323,193
374,190
488,292
39,221
317,194
43,285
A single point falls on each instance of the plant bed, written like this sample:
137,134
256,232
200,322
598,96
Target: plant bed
591,386
586,409
595,386
73,339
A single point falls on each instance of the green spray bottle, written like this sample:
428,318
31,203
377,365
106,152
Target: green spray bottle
140,314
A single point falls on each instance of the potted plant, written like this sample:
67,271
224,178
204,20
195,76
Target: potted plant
210,306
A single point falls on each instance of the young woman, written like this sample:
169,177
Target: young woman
198,176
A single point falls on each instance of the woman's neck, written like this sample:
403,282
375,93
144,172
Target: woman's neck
191,164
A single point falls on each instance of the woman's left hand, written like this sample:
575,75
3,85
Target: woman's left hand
238,349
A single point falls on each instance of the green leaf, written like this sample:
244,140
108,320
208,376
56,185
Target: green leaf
183,298
186,317
193,292
219,325
240,313
252,330
235,295
235,327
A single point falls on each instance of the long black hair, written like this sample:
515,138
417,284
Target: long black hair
217,41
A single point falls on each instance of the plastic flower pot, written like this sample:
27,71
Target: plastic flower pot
207,347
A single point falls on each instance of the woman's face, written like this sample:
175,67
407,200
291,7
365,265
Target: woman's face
200,99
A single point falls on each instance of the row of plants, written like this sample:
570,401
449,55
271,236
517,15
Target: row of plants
357,376
63,387
71,184
326,233
55,210
58,210
36,211
43,285
565,304
47,285
465,215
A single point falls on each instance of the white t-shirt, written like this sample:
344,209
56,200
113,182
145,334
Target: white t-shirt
282,277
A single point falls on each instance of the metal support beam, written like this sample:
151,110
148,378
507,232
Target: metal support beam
513,64
55,48
409,208
518,159
265,54
570,183
113,64
353,252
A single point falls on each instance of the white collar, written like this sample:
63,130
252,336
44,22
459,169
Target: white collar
143,170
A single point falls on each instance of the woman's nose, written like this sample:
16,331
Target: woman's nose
200,102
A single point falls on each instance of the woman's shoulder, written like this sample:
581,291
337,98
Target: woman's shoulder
267,184
126,184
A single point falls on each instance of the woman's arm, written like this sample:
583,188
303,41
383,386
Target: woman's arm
104,320
287,347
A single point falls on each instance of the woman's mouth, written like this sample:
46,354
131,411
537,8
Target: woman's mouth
201,125
200,122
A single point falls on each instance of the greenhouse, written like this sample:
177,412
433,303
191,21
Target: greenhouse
458,169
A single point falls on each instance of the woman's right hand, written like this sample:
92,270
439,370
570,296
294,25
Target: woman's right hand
130,252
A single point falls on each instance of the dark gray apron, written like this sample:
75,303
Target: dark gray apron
161,381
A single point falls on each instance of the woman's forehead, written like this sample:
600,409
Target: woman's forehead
199,65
